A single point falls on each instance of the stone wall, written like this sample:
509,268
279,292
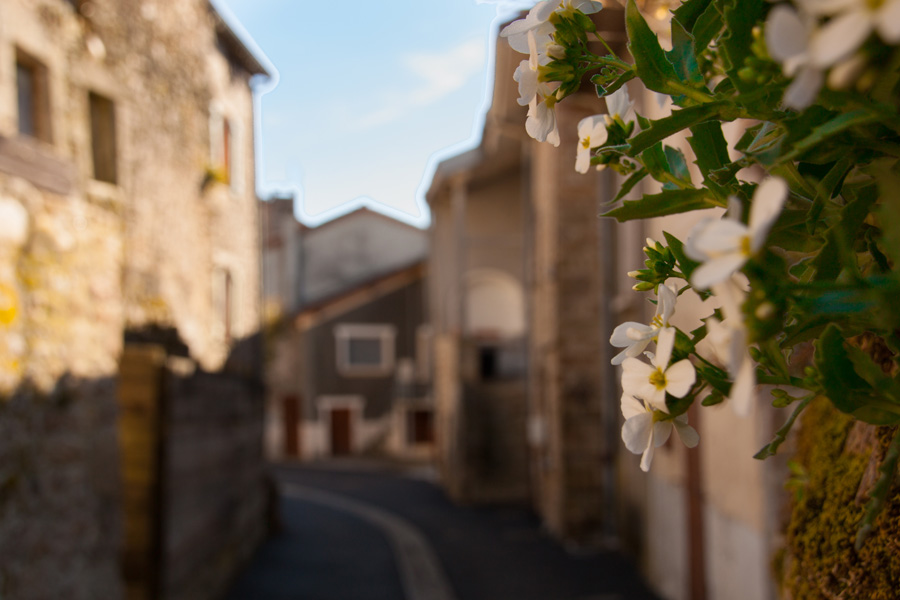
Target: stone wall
82,259
566,335
60,523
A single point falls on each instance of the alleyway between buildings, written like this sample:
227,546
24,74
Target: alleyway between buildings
365,531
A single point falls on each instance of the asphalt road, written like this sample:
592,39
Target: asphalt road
367,531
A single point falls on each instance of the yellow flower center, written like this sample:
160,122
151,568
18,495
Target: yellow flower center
745,245
586,143
874,4
657,321
658,379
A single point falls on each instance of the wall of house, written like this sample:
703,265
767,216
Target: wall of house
568,412
82,259
342,253
60,332
370,397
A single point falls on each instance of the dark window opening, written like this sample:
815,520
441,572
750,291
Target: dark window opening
33,100
364,352
103,138
488,367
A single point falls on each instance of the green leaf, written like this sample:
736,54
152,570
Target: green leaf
669,202
837,252
740,17
685,264
709,145
706,28
828,188
650,62
831,128
849,392
677,163
682,55
689,11
633,179
889,214
606,85
679,120
654,160
772,447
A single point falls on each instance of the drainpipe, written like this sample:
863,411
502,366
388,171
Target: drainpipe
609,414
696,550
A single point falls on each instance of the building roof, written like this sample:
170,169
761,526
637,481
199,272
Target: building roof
235,47
366,291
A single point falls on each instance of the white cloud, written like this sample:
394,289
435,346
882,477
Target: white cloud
438,75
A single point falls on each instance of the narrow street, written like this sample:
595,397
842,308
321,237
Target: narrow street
363,531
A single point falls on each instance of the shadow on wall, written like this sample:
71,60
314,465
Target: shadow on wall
146,485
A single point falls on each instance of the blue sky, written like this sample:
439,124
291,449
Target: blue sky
369,96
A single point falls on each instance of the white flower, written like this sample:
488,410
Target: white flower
724,245
538,22
527,74
635,337
851,22
643,432
591,134
541,120
619,104
788,36
592,130
651,383
727,340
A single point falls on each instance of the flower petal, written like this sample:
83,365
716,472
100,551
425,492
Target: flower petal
718,237
768,200
786,33
582,159
665,305
661,432
665,342
840,37
632,407
647,457
827,7
636,377
743,390
689,436
804,88
619,103
637,432
587,6
888,24
717,270
621,356
680,377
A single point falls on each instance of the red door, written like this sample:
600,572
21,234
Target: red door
341,431
291,421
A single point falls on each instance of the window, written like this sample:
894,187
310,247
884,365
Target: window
103,138
33,99
225,148
365,350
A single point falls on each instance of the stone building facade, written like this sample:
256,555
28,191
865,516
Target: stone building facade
702,523
350,285
127,204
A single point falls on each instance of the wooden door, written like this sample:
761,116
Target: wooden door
291,421
341,431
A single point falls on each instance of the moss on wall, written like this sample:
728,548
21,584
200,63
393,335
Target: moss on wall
839,457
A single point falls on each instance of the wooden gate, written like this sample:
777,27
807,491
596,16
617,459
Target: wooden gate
141,377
